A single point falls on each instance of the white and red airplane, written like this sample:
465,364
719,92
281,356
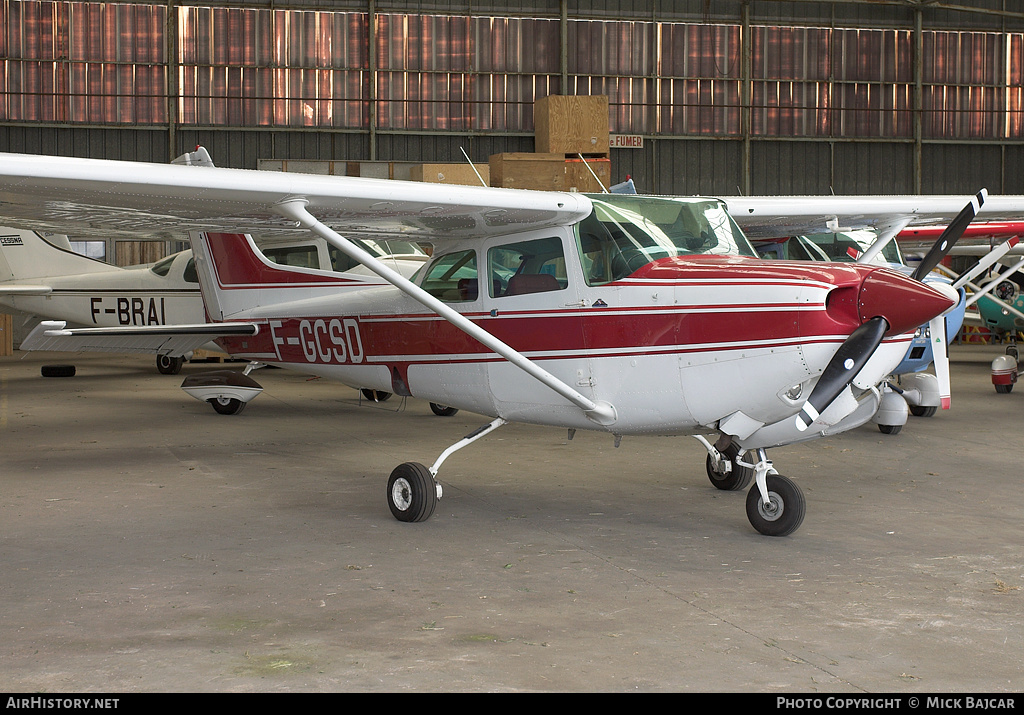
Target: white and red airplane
620,313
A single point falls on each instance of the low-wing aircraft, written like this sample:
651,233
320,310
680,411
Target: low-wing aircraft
43,277
620,313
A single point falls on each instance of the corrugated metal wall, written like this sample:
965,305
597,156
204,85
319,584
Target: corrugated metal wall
666,164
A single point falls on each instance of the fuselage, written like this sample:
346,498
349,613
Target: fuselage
52,282
167,295
676,343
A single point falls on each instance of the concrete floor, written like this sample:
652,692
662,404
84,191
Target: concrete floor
149,544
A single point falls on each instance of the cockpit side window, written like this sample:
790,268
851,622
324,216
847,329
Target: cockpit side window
453,277
162,268
536,266
190,274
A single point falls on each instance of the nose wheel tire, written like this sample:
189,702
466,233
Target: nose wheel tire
783,513
735,479
412,493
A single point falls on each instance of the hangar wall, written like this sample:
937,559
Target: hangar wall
731,97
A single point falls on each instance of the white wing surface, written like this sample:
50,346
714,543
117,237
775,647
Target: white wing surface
85,197
778,216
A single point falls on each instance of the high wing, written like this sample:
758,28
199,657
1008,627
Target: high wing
86,197
89,196
778,216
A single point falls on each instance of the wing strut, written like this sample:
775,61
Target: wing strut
602,413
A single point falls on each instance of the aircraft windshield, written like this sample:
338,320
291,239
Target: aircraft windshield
838,246
626,232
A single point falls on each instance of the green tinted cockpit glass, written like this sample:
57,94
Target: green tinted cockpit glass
626,232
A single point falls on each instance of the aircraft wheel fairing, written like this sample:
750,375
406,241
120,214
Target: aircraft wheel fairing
734,480
442,410
412,493
168,365
785,511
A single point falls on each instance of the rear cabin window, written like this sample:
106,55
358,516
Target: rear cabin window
298,256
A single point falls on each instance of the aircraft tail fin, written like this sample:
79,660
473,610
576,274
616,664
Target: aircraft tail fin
237,280
26,255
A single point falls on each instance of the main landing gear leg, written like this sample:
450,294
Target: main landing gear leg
413,491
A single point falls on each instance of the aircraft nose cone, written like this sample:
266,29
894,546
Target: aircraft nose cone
904,302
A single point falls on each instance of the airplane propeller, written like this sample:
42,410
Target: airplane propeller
851,356
950,236
857,349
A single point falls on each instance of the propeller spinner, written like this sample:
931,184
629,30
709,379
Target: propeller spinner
883,313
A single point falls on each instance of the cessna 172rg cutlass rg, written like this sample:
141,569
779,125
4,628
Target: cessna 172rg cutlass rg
625,314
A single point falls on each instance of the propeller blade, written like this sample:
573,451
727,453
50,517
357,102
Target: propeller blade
852,355
950,236
940,357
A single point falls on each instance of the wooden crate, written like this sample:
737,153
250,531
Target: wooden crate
579,177
571,124
462,174
6,334
545,172
134,253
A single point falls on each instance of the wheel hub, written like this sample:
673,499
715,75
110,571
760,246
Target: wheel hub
773,509
401,494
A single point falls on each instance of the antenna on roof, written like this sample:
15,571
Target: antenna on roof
471,166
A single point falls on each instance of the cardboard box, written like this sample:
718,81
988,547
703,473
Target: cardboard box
578,174
545,172
6,335
452,174
571,124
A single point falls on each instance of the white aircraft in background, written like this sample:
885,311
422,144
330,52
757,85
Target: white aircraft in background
918,392
43,277
619,313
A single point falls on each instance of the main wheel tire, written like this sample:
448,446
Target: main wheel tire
1004,389
785,511
227,405
736,478
412,493
890,429
376,395
57,371
443,410
168,365
923,411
